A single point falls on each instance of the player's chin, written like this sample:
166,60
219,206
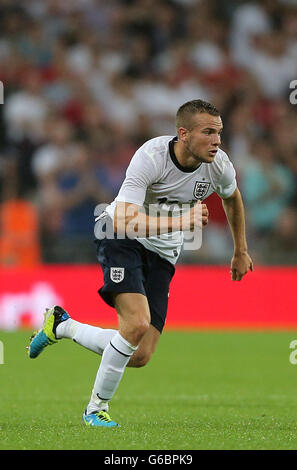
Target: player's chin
210,156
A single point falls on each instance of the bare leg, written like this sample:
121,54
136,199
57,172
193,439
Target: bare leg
146,348
134,322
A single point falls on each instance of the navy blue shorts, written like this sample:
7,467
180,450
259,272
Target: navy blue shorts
129,267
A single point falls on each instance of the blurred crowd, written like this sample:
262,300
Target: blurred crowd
86,82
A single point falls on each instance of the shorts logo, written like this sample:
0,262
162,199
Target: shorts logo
117,274
201,189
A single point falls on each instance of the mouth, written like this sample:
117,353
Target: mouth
213,152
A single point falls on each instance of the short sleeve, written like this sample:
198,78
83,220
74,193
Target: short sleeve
141,173
227,183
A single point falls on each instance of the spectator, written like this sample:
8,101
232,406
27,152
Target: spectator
19,223
281,244
268,187
26,110
86,82
48,157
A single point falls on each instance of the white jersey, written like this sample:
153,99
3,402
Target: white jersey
154,176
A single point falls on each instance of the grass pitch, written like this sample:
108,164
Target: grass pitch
201,390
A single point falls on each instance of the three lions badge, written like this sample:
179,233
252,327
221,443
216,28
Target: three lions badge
200,190
117,274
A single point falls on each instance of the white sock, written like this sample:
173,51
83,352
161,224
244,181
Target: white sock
91,337
115,357
67,329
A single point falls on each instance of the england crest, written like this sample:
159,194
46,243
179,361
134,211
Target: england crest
200,190
117,274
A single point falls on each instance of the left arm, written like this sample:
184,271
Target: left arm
241,262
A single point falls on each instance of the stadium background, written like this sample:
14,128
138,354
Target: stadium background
85,84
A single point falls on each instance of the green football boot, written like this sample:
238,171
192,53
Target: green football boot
98,419
46,336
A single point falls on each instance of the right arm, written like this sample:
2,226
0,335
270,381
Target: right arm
130,217
131,220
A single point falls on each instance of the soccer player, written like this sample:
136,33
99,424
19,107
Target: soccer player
168,172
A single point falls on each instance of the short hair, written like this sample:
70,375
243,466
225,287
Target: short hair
187,110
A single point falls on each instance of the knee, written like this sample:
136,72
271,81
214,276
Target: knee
141,359
136,329
139,329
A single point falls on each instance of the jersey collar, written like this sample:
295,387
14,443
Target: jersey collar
175,160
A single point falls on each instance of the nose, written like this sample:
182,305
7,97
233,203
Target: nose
216,140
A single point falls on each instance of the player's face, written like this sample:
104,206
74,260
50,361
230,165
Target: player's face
204,138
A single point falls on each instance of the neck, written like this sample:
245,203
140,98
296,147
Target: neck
184,157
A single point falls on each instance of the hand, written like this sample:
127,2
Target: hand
241,263
205,214
197,216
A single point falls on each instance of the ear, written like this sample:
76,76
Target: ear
183,134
